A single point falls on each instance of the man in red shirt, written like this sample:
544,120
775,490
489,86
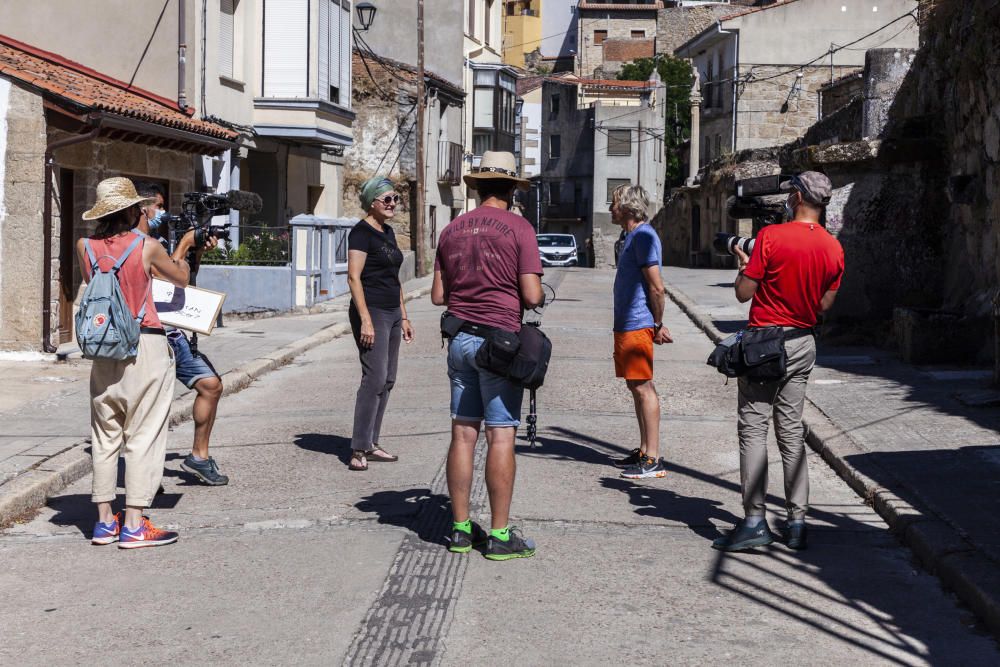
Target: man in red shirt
792,275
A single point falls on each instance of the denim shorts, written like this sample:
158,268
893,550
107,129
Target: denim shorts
479,395
191,366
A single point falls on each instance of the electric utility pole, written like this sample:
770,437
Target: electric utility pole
421,258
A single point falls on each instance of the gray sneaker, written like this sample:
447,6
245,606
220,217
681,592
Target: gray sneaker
515,547
742,537
207,471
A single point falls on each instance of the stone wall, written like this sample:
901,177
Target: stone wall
676,25
778,106
20,219
838,94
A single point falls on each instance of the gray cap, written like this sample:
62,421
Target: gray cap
814,187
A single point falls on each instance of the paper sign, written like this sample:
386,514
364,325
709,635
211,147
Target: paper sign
189,308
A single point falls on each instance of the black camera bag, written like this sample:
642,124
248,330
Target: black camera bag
532,359
498,351
763,354
727,357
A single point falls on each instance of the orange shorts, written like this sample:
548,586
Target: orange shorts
634,354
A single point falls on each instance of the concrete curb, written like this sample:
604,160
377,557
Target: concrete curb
32,488
938,545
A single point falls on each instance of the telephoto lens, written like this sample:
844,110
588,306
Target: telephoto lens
726,243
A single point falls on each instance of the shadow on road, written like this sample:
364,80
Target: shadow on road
695,513
832,598
425,513
325,443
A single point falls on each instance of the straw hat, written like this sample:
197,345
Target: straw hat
113,195
496,165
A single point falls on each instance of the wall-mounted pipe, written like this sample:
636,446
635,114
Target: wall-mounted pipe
181,55
47,345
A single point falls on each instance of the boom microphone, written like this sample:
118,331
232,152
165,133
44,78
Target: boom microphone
249,202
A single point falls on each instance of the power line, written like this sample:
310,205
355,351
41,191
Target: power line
391,141
829,52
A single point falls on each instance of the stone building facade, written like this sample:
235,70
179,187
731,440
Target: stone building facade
612,34
915,163
72,126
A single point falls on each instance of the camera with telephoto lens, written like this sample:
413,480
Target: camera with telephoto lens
198,210
759,199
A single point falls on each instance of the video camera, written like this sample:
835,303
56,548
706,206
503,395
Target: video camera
198,210
759,199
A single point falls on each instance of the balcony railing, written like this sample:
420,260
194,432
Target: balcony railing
449,162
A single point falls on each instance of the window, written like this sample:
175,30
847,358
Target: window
614,183
555,194
471,28
619,142
555,146
333,23
600,36
554,106
486,21
638,34
709,87
286,49
227,37
494,112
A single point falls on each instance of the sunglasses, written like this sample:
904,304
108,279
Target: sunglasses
389,199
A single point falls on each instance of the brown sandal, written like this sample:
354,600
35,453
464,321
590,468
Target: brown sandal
379,455
359,461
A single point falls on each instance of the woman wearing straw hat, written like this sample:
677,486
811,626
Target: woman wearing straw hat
377,314
130,400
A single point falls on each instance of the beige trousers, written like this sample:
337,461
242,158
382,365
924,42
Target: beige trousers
129,408
783,401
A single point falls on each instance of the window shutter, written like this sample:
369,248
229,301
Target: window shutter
345,58
337,19
286,48
226,27
323,44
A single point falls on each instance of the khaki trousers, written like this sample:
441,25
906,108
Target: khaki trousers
783,401
129,408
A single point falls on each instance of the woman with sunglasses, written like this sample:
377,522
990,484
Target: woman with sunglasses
377,314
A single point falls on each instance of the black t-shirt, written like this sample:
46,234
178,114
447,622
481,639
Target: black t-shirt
380,277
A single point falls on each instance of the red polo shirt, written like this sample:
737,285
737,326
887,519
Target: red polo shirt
795,264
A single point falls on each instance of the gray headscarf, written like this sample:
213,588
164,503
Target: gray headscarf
372,188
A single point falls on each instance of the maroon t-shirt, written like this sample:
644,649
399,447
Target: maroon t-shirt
480,256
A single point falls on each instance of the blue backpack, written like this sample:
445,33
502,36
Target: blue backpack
105,327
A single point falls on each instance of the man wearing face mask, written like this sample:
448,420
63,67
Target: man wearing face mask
792,275
193,369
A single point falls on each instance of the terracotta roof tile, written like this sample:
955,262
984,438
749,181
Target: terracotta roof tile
92,90
619,7
406,71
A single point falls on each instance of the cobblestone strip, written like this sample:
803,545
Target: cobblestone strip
937,544
407,623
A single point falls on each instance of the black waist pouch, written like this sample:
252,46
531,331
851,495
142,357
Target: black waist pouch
763,354
450,325
727,357
498,351
532,359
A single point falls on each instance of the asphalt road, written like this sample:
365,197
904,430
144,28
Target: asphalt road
300,561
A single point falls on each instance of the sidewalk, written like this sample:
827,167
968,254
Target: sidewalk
905,437
45,410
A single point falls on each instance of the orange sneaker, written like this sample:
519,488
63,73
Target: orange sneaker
147,535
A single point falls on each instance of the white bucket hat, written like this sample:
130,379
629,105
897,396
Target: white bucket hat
496,165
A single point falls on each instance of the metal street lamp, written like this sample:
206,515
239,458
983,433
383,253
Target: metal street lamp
366,14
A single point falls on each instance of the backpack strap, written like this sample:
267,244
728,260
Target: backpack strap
149,285
90,254
128,251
